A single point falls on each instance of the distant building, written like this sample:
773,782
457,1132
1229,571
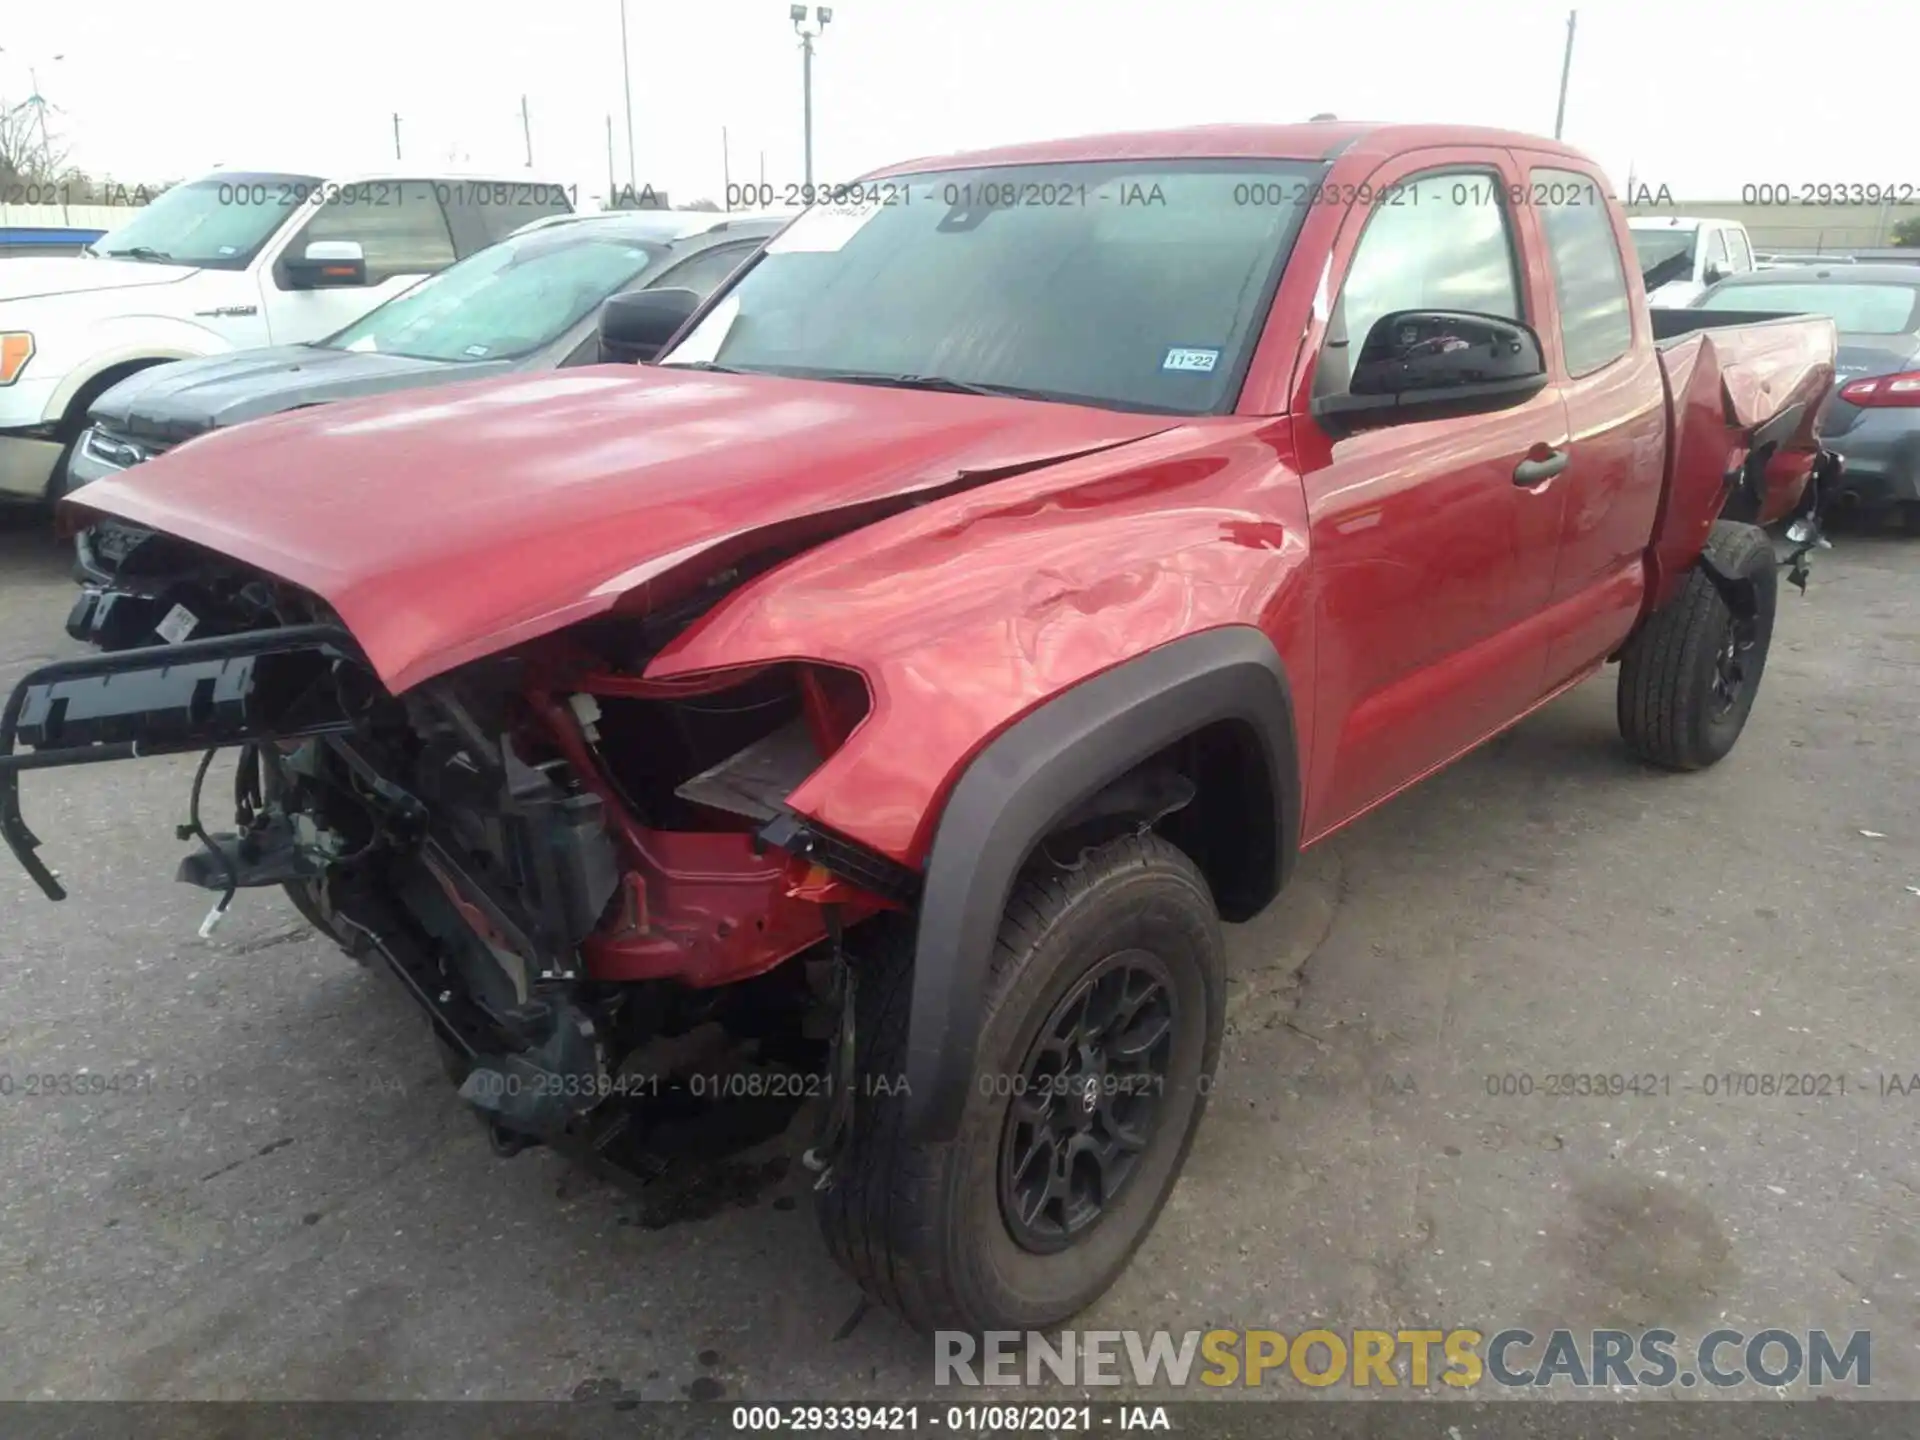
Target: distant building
1793,228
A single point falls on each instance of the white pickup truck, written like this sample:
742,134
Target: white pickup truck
232,260
1680,256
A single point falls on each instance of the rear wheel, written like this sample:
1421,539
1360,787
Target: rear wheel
1689,675
1102,1025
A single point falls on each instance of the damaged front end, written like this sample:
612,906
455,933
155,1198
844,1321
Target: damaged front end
588,881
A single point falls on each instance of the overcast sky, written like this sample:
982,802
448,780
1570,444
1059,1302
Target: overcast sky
1701,95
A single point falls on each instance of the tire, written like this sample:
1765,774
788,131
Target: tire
924,1228
1684,696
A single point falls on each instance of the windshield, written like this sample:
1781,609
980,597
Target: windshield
219,223
1656,247
1136,285
1855,309
504,302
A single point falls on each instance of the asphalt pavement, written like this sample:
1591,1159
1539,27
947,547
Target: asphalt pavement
282,1198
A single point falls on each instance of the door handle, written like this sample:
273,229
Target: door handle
1533,471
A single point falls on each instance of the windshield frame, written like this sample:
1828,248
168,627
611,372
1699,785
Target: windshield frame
1307,175
552,238
267,191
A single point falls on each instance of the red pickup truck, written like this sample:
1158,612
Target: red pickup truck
880,699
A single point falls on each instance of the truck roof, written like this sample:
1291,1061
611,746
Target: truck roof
1314,140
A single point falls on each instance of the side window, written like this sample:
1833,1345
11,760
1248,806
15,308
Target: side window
1742,255
1436,242
1588,279
702,272
1717,248
482,212
400,228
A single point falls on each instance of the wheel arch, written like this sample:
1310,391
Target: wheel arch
1222,695
78,396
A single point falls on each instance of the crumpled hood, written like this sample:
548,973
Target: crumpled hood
447,526
31,277
181,400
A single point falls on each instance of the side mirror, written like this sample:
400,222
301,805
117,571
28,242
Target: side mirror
1427,364
1715,272
635,326
327,265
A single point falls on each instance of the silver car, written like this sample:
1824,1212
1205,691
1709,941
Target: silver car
1873,421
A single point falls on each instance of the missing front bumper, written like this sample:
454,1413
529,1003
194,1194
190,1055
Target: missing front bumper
226,690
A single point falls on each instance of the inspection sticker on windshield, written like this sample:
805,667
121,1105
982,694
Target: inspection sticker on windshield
176,625
478,352
1183,357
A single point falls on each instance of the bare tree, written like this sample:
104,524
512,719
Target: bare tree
29,152
701,204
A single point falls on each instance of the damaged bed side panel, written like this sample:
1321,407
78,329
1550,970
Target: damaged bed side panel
1743,403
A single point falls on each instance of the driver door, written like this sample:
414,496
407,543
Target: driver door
1433,553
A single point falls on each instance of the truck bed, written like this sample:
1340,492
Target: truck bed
1744,395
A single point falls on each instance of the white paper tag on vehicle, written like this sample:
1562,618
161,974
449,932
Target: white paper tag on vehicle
176,625
1193,358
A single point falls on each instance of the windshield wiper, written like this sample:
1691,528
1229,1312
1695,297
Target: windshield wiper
706,365
139,252
930,382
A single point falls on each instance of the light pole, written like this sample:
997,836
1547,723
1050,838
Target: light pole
1566,69
822,14
626,74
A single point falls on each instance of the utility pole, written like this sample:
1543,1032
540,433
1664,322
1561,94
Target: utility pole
626,71
396,134
822,14
613,186
1566,69
526,129
726,172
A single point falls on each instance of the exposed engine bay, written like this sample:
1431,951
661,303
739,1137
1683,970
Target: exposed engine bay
587,880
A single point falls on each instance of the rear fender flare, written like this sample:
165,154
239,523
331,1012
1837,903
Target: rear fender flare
1017,790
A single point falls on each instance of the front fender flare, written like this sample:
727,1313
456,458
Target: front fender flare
1025,781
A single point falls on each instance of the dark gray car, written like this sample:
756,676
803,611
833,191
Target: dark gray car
1873,421
529,302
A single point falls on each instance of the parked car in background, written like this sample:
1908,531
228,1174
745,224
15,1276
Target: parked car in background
1775,262
1680,256
1873,419
529,302
233,260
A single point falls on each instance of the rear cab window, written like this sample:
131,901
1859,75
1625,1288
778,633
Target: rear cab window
481,212
1589,278
398,225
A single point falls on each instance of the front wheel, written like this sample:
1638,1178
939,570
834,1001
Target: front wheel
1104,1011
1689,675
